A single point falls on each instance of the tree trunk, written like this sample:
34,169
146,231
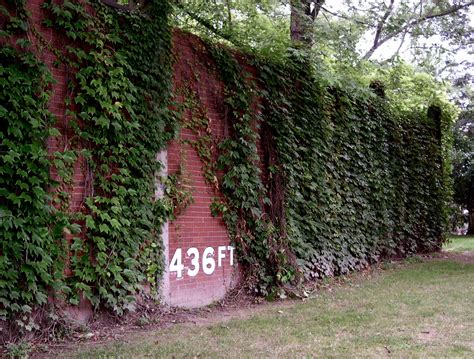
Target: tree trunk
229,15
470,228
470,208
303,14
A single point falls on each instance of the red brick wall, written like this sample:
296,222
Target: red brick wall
61,74
195,227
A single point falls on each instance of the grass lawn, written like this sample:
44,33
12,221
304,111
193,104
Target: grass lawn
423,308
460,244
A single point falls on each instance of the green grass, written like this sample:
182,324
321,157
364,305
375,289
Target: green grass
459,244
420,309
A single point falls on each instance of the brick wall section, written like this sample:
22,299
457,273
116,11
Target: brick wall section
61,74
196,227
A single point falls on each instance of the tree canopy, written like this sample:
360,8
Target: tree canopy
431,32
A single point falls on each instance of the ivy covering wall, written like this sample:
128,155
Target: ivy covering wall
31,229
361,180
118,118
344,180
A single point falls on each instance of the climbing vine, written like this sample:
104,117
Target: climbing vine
342,179
261,248
32,226
119,118
361,180
119,109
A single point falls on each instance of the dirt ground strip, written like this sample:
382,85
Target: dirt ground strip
238,306
461,257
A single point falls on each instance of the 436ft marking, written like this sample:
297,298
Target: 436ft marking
206,262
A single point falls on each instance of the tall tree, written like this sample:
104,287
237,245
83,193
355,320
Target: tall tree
260,25
463,149
431,31
303,14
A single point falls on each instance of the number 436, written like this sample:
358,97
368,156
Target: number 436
208,262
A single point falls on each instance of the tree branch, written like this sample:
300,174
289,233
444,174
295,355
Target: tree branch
378,32
451,65
413,23
449,11
206,24
317,7
345,17
401,43
398,49
229,14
